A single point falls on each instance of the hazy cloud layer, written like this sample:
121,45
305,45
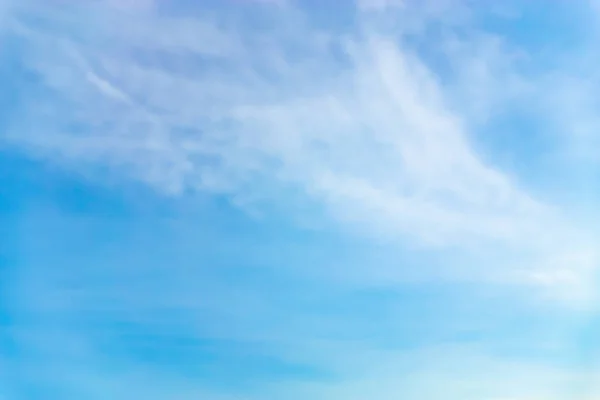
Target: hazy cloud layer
437,128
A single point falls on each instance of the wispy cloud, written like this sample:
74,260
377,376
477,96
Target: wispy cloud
387,118
365,122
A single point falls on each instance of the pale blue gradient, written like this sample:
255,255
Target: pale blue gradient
293,200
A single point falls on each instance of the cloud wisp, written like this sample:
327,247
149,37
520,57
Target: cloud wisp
366,121
423,130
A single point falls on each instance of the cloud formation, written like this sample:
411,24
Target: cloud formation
380,123
434,134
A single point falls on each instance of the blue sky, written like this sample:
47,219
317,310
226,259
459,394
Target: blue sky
285,199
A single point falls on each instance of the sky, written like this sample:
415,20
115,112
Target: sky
299,199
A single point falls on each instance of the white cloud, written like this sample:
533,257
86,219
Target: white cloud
381,131
363,123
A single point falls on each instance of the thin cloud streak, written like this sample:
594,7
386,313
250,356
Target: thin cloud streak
361,123
381,126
